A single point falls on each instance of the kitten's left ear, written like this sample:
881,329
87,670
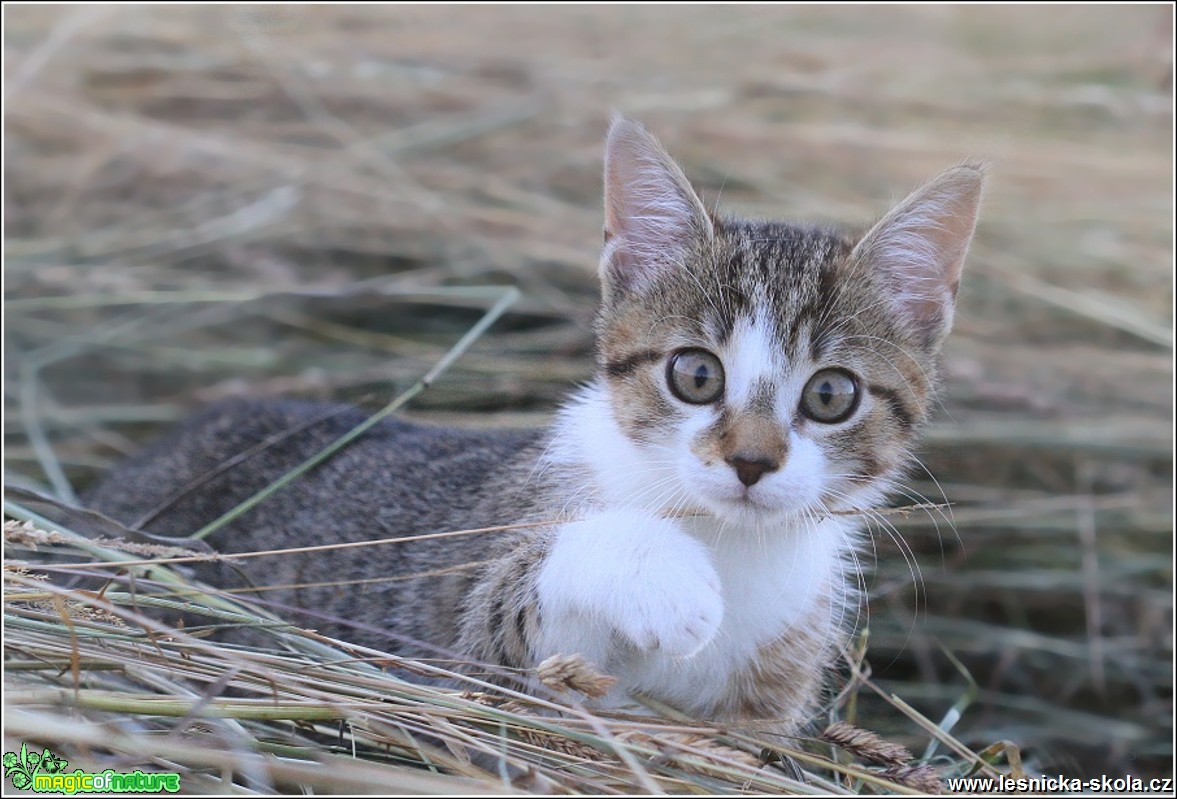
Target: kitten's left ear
919,249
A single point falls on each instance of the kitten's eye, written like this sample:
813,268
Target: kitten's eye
695,376
830,396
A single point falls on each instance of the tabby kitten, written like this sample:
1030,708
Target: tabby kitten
754,378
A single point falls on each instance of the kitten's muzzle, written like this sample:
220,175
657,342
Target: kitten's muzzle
750,470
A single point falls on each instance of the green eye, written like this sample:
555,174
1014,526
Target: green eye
830,396
695,376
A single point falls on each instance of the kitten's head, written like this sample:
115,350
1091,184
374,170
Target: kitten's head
762,368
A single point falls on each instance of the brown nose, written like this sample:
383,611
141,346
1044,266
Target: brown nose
750,471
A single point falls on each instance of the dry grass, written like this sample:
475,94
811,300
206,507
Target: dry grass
100,641
306,200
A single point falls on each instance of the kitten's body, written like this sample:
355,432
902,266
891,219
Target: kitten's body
753,377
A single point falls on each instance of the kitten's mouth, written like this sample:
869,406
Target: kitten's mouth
724,497
746,501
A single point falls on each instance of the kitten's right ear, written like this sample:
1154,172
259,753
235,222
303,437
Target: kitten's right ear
653,218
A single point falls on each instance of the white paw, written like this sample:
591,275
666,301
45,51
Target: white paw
631,573
676,612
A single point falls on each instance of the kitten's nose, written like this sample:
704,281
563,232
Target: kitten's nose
750,471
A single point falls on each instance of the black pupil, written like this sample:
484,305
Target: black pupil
701,375
826,393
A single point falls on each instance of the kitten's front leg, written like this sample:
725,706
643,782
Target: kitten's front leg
631,573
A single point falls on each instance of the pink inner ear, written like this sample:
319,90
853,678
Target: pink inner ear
652,215
920,248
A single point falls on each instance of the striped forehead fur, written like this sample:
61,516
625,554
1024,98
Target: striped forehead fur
797,278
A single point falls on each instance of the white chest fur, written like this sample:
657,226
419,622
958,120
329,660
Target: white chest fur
674,607
679,607
772,580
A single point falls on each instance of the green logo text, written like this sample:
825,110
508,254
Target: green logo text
45,773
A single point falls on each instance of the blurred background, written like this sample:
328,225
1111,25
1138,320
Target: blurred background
235,200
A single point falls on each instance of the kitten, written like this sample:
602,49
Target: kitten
753,378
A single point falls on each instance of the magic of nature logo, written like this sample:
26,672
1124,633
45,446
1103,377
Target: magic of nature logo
45,772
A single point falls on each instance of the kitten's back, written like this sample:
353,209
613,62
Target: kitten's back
398,479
